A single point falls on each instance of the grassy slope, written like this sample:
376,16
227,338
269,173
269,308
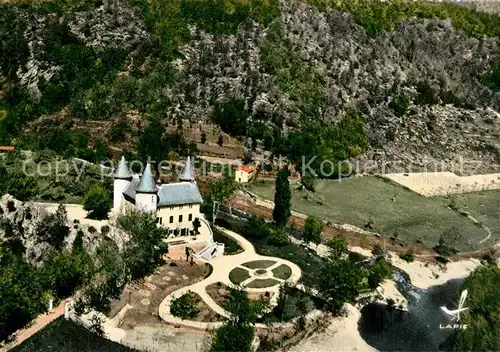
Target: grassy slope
65,336
411,216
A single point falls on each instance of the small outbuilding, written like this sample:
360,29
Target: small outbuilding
244,174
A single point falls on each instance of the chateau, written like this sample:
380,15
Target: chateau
175,205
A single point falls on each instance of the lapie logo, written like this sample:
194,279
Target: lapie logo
455,314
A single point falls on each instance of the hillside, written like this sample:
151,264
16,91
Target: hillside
404,84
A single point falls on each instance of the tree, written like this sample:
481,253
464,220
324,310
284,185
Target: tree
279,237
20,293
203,137
238,333
144,252
220,140
231,117
184,307
151,142
338,247
53,228
282,199
232,337
312,230
340,282
97,202
21,186
448,238
379,271
483,315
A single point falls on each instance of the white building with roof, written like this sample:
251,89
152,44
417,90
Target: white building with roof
175,205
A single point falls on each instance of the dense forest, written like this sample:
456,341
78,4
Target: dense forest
341,80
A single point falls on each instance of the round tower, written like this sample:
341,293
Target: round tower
121,181
146,196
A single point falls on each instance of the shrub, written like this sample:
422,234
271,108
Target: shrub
279,237
97,202
408,256
105,229
378,272
92,229
185,306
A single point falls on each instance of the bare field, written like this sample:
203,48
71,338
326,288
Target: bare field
445,183
395,211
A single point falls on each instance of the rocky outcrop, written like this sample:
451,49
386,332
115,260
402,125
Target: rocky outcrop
19,222
416,86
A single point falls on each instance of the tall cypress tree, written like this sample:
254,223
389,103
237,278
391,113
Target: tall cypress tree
282,198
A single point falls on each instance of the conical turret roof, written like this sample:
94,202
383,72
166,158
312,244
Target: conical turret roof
147,183
188,172
122,171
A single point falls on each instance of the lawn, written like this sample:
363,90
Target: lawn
230,245
309,262
238,275
262,283
282,272
394,210
257,264
65,336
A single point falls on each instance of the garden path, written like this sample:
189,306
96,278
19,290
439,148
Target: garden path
222,266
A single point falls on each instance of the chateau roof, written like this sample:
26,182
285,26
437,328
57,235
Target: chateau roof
122,171
130,190
179,193
188,173
147,182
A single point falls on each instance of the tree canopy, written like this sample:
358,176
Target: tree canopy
282,199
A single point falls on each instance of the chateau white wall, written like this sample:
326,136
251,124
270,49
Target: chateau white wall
165,212
146,202
118,187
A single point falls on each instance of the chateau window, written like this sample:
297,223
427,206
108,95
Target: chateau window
190,218
171,220
180,218
159,220
190,207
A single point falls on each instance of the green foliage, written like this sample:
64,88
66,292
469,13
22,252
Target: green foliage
408,256
244,311
318,142
379,271
292,73
169,20
337,247
231,117
65,272
492,78
155,144
54,228
230,245
68,337
14,50
279,237
232,337
97,202
447,241
309,182
400,104
340,282
144,251
312,230
375,16
20,293
282,199
21,186
238,333
483,300
184,307
256,228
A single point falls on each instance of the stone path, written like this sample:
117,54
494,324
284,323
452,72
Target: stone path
222,266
